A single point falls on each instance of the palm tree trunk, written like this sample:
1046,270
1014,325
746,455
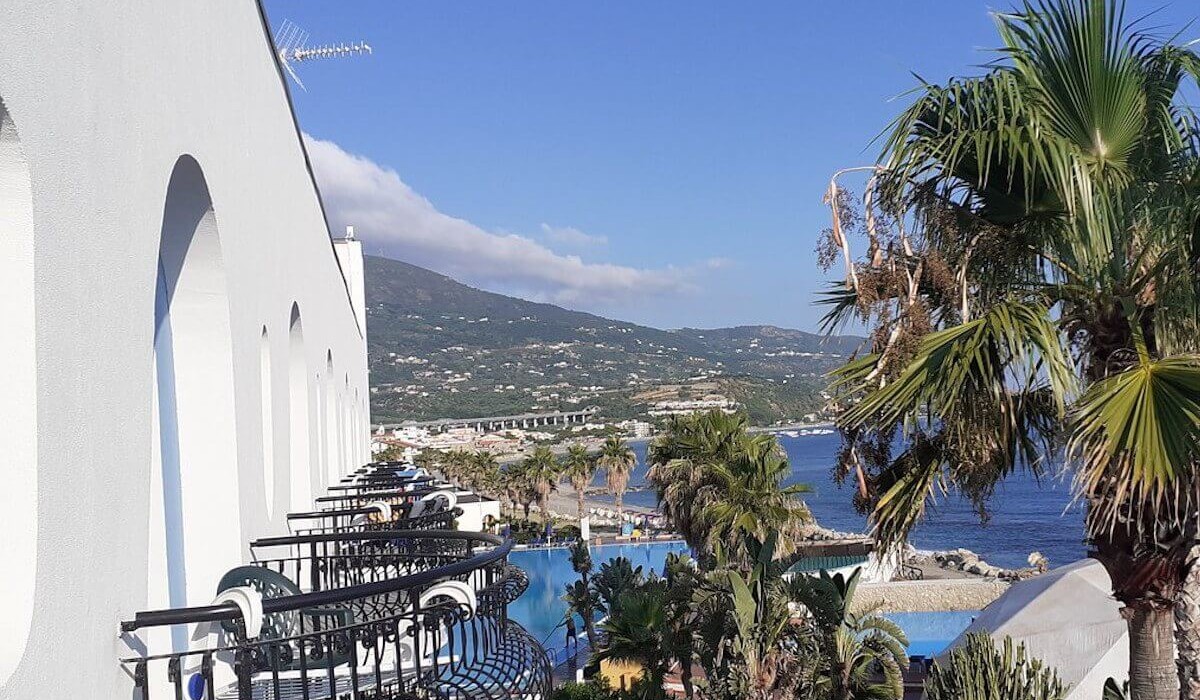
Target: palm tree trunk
1187,629
685,678
1152,671
618,496
579,496
589,628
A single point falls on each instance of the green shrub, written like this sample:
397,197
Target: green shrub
979,671
589,690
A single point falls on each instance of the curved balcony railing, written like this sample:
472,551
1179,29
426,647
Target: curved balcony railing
395,614
384,492
372,596
366,518
328,561
383,479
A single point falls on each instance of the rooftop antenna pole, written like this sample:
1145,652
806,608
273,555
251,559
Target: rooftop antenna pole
291,45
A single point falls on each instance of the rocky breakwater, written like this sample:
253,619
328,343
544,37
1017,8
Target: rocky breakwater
968,562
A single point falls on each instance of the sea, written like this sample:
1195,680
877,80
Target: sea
1026,514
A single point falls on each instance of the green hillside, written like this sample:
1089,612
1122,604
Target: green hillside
439,348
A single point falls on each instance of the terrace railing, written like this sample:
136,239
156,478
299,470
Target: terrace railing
369,518
356,606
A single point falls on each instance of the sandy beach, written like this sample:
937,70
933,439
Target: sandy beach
564,503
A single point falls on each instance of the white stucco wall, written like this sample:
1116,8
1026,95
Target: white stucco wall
105,99
474,515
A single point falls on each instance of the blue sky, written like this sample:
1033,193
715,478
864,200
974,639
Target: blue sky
659,162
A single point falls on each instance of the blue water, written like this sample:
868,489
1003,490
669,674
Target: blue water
930,632
541,609
1025,515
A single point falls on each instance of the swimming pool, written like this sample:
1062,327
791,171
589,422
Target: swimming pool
540,609
929,633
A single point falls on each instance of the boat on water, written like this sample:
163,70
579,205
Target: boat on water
806,432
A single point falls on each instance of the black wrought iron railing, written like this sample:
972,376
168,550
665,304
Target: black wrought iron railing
369,518
383,482
397,614
382,491
325,561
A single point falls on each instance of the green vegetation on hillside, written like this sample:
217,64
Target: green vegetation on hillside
439,349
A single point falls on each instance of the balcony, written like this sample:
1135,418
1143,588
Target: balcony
373,595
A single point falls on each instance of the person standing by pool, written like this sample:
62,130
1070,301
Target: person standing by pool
572,633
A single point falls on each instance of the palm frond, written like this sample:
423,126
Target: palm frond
1013,340
1136,435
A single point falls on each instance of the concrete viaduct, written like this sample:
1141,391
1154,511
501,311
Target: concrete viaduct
524,421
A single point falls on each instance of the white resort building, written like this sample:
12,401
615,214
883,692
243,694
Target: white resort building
186,376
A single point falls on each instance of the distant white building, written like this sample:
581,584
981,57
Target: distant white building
184,350
708,403
636,428
411,433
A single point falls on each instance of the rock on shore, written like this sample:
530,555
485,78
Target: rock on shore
969,562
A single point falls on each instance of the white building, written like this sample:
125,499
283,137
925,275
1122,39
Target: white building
685,407
183,359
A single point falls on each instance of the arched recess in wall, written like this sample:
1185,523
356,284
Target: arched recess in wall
330,429
299,453
18,400
195,428
347,425
356,445
266,397
365,407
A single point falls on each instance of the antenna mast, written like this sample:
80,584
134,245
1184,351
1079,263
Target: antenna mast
291,45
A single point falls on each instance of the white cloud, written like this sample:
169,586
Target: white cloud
393,220
571,236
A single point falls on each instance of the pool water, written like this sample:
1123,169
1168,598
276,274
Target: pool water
541,609
929,633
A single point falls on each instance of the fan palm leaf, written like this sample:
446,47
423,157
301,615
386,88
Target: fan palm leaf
1137,438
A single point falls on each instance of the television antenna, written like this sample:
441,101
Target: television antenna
291,45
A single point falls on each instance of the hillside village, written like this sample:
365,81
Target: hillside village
468,353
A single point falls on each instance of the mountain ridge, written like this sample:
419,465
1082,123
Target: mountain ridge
441,348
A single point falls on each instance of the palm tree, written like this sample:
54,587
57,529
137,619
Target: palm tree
637,635
749,644
581,598
680,462
427,459
750,502
541,474
618,461
515,486
455,464
681,576
717,483
580,468
485,473
616,577
581,601
854,647
1030,273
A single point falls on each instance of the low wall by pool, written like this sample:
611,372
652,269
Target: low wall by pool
928,596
